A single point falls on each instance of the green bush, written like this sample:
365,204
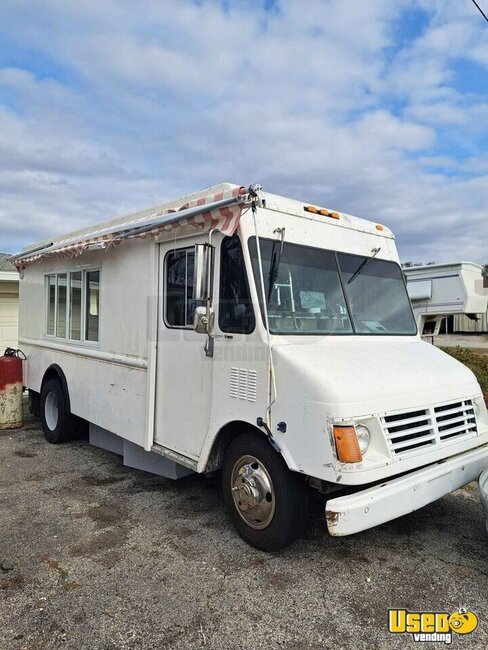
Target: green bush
476,362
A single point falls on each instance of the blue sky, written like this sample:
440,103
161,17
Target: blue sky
373,107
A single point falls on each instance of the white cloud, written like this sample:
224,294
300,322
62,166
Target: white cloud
138,102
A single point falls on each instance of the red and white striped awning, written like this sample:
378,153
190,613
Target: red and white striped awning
223,212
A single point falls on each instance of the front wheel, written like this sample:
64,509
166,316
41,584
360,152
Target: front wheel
267,503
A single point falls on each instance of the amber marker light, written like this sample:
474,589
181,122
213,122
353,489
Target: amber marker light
326,213
347,444
322,211
378,227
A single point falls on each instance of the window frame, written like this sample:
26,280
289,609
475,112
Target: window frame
84,305
69,320
164,292
82,341
248,285
346,297
47,303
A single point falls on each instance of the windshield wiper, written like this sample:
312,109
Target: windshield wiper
361,267
275,261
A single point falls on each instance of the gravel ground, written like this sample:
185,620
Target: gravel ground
95,555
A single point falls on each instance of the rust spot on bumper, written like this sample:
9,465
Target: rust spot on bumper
333,522
332,519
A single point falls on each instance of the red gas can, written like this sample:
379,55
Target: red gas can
11,387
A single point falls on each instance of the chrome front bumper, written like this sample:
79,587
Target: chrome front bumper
376,505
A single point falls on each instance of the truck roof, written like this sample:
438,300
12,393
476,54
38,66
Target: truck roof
299,209
273,202
219,207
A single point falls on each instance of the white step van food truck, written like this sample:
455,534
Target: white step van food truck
273,340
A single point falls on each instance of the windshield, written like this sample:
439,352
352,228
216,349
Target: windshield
314,292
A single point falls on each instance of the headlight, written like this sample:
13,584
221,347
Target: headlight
363,437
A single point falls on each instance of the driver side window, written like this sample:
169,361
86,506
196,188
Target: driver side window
236,313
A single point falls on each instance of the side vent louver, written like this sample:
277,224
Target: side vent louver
243,384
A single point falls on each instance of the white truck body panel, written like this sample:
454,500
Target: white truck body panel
153,386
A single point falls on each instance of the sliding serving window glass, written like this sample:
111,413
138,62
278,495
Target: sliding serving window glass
377,297
51,304
92,293
75,287
303,289
72,305
314,291
61,306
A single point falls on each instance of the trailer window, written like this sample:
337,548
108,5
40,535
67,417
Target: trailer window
236,313
180,305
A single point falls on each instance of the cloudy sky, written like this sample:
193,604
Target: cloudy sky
374,107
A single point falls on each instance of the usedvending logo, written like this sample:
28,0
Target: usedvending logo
432,626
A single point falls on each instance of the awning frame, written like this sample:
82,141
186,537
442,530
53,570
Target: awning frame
139,228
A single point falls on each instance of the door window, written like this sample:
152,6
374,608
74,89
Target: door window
180,306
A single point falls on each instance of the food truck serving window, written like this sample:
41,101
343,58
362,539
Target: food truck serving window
72,305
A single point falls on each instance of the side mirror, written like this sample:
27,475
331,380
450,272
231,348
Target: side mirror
203,320
202,275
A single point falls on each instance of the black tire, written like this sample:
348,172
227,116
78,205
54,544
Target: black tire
285,519
61,426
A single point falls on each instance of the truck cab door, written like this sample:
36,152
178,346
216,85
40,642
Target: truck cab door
184,372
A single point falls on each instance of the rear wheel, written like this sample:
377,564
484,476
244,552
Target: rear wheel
267,503
58,425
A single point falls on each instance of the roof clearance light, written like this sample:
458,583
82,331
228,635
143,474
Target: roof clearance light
378,227
321,211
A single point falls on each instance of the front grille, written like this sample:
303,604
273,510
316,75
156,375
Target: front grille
416,431
455,420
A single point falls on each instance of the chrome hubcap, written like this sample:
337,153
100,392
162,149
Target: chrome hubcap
252,491
51,410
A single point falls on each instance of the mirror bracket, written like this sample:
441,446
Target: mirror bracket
203,320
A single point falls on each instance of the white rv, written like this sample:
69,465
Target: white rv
273,340
441,290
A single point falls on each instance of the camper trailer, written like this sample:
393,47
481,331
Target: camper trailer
271,340
438,291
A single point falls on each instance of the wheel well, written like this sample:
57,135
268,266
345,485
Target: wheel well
55,372
227,433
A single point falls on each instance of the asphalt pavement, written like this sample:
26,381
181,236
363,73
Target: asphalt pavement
96,555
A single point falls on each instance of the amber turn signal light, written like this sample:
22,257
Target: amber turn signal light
347,444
